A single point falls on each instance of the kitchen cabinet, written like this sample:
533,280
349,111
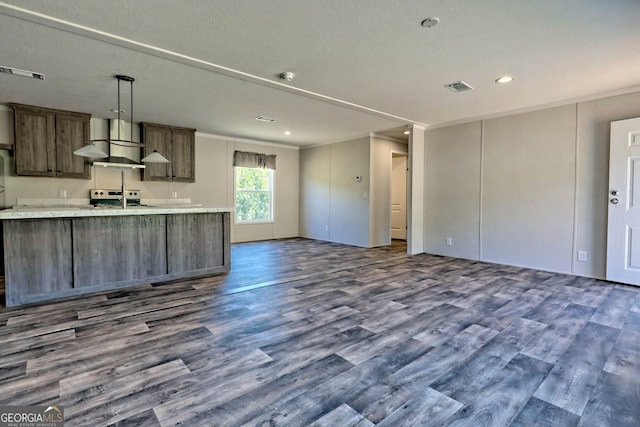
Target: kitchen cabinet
72,133
136,249
45,140
194,243
37,257
176,144
80,251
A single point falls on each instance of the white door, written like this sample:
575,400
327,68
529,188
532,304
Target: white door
623,234
399,197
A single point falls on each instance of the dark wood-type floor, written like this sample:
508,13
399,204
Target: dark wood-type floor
306,333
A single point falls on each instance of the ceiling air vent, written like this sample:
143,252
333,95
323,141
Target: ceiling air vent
458,86
265,119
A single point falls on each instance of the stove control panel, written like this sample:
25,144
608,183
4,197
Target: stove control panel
100,194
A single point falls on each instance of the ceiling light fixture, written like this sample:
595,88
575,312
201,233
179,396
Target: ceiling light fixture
92,151
430,22
22,73
505,79
287,132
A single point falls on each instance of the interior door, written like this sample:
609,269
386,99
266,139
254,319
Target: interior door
623,234
399,197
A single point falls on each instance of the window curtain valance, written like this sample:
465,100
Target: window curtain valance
254,160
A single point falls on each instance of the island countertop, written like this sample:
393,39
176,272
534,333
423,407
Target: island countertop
90,211
57,252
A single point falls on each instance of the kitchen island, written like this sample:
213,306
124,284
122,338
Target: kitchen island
53,253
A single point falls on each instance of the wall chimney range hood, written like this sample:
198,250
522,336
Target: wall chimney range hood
118,162
92,151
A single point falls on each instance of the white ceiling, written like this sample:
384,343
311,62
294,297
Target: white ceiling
361,65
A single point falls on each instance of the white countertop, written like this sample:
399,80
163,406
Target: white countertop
89,211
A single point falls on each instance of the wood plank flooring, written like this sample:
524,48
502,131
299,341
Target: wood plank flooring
308,333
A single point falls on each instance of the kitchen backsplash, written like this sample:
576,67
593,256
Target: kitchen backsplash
81,202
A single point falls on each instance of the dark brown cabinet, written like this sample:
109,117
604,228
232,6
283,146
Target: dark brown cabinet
176,144
45,140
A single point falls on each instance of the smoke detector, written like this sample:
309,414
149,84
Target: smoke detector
458,86
430,22
287,75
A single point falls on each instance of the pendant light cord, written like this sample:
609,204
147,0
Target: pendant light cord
118,107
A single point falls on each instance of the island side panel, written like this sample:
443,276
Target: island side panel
198,243
38,259
118,249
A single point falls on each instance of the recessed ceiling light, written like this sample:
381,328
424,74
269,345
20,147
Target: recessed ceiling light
504,79
265,119
115,110
286,132
406,132
22,73
430,22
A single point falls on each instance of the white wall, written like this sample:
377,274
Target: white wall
542,183
452,190
349,205
594,120
416,190
214,184
334,206
528,187
380,197
315,192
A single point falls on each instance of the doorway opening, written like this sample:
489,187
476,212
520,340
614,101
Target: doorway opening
399,196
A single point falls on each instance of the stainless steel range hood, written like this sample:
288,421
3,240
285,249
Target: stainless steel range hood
118,162
120,153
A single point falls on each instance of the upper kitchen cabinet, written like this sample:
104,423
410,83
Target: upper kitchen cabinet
176,144
45,140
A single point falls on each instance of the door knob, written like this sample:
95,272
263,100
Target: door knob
614,201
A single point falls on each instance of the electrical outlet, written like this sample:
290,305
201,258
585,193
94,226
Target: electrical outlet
62,193
326,228
174,194
582,256
449,241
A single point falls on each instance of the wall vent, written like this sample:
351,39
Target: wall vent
458,86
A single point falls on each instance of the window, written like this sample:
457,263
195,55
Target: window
254,194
